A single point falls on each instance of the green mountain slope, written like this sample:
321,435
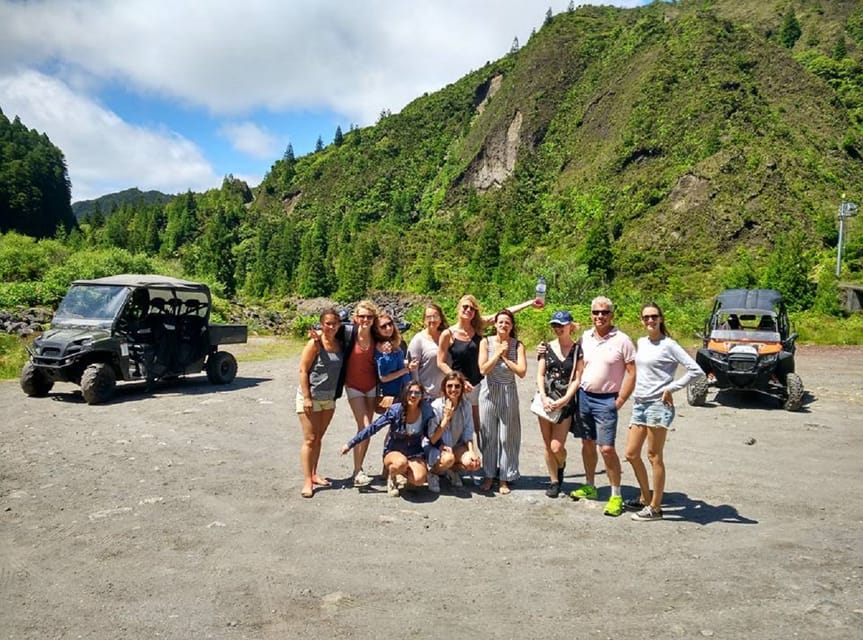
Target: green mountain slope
645,146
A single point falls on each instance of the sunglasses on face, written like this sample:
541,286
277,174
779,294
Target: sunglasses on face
433,317
467,307
365,316
650,316
453,386
415,394
386,325
600,312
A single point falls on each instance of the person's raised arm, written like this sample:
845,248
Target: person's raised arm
487,320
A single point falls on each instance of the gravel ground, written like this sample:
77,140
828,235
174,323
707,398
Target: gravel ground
178,514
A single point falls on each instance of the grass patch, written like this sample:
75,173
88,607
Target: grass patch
262,348
13,355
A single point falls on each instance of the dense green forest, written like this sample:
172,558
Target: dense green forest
107,203
35,194
661,152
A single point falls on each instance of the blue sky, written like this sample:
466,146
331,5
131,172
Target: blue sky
175,94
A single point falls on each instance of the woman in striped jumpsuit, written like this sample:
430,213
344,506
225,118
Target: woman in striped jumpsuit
501,359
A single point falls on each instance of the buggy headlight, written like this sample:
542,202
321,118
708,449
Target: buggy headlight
769,359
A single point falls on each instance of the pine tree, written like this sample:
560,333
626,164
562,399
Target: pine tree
339,138
319,145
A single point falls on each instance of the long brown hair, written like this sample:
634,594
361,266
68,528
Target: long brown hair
443,323
395,338
508,314
662,329
458,376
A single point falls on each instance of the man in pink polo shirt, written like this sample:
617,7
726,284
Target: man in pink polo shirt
606,384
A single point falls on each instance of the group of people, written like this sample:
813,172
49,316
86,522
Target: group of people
450,403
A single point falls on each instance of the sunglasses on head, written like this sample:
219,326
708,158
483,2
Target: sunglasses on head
599,312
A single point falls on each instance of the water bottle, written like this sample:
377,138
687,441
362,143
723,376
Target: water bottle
540,291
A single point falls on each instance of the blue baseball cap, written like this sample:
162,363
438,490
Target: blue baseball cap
561,317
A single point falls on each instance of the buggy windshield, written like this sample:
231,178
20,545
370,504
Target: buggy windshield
89,304
744,335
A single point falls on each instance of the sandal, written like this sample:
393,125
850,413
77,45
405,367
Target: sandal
307,493
321,482
504,488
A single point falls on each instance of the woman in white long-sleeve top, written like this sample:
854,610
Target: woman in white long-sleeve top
656,361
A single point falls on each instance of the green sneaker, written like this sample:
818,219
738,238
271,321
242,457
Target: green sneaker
614,506
585,491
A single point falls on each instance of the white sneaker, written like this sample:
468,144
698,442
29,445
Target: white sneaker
392,489
361,479
454,478
434,483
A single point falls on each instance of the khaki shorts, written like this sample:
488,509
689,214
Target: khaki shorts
317,405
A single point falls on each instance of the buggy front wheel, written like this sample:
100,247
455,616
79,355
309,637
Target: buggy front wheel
34,382
696,391
793,392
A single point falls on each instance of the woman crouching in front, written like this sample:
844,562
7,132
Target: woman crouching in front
404,459
449,443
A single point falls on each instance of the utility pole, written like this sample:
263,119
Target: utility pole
846,210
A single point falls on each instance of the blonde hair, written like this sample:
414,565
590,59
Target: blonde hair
368,305
477,321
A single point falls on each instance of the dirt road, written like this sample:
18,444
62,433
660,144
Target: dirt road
178,514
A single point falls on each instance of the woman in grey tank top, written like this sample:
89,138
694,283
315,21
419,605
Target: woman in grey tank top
320,366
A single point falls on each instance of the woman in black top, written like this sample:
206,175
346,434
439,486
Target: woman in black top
558,375
458,348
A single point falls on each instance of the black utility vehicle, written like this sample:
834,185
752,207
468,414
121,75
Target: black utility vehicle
130,327
748,344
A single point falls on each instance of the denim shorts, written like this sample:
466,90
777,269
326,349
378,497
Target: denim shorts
598,414
652,413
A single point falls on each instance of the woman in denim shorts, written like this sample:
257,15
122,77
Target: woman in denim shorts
656,362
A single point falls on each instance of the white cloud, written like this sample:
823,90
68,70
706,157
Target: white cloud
104,153
354,58
230,60
249,138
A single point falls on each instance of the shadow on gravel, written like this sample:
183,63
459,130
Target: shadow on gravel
678,507
739,399
138,392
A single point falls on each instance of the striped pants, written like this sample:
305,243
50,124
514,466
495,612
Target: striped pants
499,430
